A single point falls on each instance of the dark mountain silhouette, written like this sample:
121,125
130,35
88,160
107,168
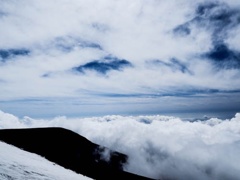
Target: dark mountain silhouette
71,151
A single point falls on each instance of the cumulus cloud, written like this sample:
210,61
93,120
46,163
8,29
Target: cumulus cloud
158,146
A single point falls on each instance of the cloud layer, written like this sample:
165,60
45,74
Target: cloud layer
158,146
169,48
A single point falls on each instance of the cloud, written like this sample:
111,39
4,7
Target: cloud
174,64
45,45
216,17
68,44
158,146
11,53
107,64
224,57
184,57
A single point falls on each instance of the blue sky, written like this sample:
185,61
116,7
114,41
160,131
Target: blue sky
81,58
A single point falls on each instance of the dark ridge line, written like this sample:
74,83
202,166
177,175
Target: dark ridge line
70,150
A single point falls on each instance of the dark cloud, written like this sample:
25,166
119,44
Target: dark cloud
179,66
187,92
46,75
68,44
220,17
174,64
217,19
103,66
10,53
100,27
204,8
218,13
2,14
223,57
214,16
90,45
182,30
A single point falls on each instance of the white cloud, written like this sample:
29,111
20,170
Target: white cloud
158,146
138,31
42,83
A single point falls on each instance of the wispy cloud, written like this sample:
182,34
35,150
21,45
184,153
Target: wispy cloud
108,63
157,48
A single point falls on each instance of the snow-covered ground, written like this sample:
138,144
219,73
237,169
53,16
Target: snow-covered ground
16,164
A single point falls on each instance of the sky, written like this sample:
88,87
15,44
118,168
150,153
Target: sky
93,58
157,146
110,69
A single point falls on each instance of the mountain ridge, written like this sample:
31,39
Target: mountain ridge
70,150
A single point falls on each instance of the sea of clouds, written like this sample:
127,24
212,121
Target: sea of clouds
168,43
158,146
